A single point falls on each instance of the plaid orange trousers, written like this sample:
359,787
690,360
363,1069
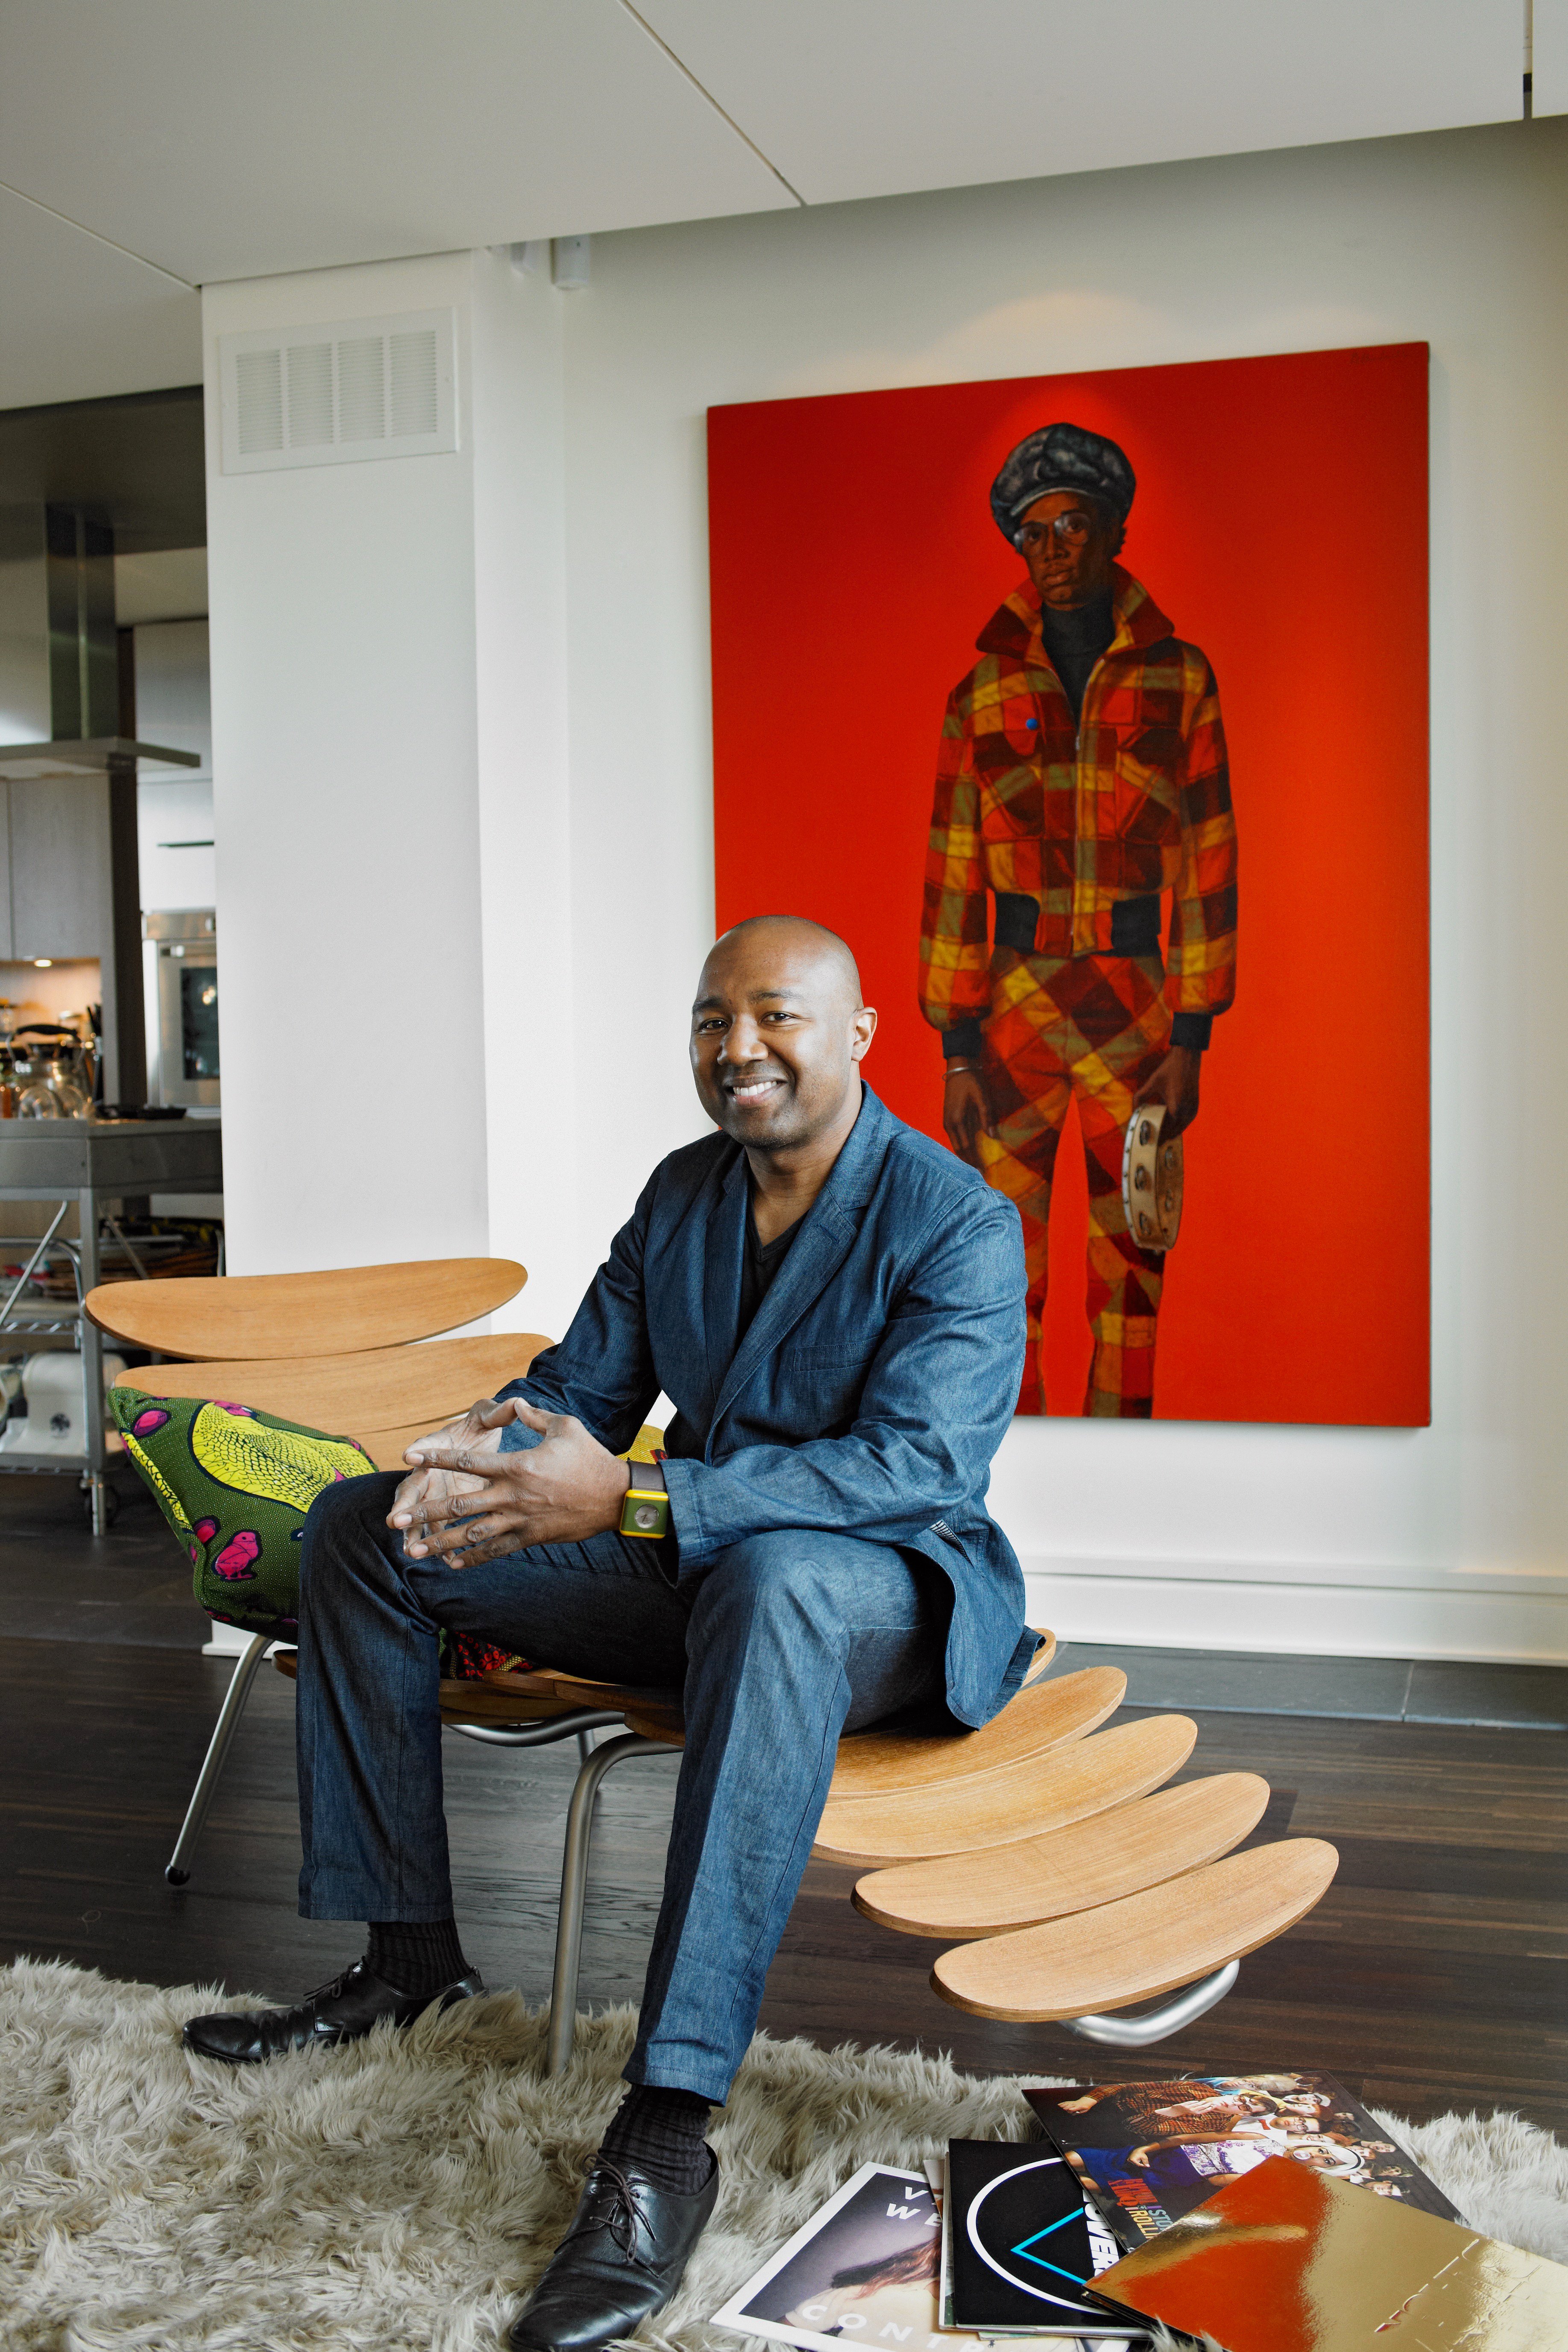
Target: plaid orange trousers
1090,1029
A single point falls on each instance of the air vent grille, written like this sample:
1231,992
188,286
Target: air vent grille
334,395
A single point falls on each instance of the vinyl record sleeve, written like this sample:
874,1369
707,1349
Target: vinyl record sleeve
1019,2243
863,2268
1286,2259
1148,2153
1019,2340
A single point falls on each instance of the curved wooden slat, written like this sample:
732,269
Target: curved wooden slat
1018,1800
1044,1654
549,1682
665,1723
1073,1869
1042,1715
335,1312
385,1390
656,1716
1145,1944
470,1702
467,1701
532,1682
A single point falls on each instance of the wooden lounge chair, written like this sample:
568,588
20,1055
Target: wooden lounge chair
1008,1837
1082,1884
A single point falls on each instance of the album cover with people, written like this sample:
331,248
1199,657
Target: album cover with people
1149,2152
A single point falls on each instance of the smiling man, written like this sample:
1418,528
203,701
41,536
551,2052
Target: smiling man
835,1307
1082,774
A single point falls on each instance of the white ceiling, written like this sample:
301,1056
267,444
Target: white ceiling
79,320
147,149
871,97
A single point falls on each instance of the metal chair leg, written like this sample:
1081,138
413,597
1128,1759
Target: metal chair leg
177,1869
574,1887
1155,2024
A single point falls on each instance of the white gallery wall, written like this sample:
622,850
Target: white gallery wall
466,724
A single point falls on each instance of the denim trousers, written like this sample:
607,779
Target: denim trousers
777,1645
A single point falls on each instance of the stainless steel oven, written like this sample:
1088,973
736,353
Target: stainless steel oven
181,977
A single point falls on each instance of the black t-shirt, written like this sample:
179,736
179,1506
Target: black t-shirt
760,1263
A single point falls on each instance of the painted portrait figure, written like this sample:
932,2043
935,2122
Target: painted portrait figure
1083,779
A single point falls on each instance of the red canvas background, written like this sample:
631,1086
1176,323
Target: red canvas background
1280,521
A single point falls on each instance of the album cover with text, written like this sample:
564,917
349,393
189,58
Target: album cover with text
864,2268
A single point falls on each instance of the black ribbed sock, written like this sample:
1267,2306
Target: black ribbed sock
416,1955
661,2132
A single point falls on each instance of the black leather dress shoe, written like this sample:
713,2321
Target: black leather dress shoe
619,2262
338,2011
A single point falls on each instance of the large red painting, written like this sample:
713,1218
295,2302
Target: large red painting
1280,522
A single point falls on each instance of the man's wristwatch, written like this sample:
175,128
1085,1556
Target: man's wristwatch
644,1511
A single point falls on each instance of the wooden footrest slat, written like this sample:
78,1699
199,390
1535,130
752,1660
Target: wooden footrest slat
1068,1870
1042,1716
1143,1946
1015,1801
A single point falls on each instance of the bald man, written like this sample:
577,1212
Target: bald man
835,1307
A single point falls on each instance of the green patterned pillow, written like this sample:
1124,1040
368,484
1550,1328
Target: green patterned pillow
235,1484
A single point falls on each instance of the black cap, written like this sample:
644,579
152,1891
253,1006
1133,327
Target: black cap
1061,457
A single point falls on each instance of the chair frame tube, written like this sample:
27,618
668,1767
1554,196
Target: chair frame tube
177,1869
1156,2024
574,1888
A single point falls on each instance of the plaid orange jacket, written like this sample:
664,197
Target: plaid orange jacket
1135,800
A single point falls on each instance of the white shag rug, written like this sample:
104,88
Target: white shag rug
402,2193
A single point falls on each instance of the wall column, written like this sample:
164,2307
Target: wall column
388,745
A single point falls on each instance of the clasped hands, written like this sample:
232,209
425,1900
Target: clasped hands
465,1501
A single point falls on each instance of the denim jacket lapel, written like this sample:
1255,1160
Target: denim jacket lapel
827,1235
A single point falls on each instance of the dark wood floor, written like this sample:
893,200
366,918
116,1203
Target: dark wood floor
1431,1977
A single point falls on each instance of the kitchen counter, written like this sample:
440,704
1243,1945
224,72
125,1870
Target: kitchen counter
44,1159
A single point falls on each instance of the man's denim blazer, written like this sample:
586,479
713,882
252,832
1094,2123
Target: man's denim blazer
869,1394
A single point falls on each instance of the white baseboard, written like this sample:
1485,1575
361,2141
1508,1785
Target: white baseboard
1520,1620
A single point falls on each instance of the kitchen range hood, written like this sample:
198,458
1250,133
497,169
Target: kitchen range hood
60,660
69,877
86,755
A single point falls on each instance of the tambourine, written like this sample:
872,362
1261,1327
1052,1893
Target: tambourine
1151,1179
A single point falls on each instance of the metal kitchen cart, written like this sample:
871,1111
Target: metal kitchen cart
89,1161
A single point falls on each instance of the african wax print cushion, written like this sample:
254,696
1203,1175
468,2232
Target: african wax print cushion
235,1484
